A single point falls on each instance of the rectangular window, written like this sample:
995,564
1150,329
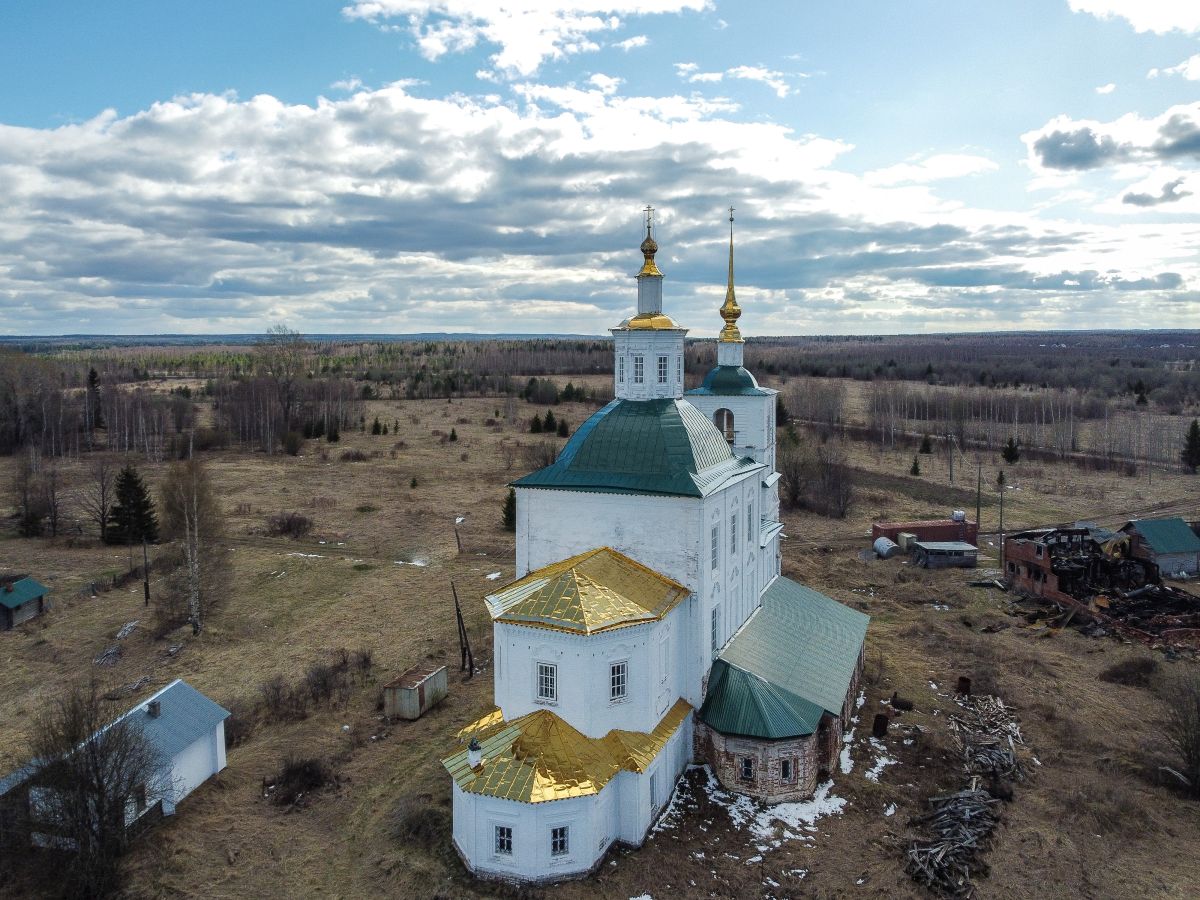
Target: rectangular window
716,628
503,840
547,682
662,370
785,770
746,768
733,533
716,546
655,800
560,840
638,366
621,369
618,681
750,522
679,368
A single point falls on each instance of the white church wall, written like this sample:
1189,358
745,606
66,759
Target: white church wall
659,532
753,417
649,345
655,673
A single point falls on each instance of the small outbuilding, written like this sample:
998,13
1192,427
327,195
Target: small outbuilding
1170,544
21,599
415,692
944,554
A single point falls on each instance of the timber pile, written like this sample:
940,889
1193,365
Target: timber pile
962,824
987,736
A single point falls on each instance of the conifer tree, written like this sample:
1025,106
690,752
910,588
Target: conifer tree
93,399
550,424
1011,451
132,517
916,467
1191,447
376,428
453,434
535,426
563,430
926,445
508,516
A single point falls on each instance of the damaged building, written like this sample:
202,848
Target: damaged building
1095,576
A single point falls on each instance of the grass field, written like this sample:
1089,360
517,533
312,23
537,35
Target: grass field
376,574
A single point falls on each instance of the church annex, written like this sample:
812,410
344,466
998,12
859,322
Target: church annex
650,627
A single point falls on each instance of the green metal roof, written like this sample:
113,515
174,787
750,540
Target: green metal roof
797,653
643,447
730,380
22,592
1167,535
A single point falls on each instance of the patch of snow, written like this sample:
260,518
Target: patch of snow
308,555
754,859
847,764
933,686
939,606
492,576
890,809
882,761
458,520
797,873
862,698
641,896
770,881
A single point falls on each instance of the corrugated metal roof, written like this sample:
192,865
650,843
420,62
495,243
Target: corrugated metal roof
730,381
595,591
945,545
1167,535
799,646
741,703
539,757
185,715
643,447
22,592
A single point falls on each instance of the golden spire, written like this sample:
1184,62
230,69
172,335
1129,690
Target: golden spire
730,311
649,248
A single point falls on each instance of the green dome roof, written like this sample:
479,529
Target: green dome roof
729,380
643,447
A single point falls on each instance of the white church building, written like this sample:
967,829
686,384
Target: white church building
649,626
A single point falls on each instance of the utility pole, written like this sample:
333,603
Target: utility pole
978,492
145,570
464,643
1000,484
950,453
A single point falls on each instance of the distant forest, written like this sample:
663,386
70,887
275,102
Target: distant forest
64,396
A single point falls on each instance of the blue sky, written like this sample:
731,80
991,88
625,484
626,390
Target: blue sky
417,165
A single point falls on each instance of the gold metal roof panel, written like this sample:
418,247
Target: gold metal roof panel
585,594
539,757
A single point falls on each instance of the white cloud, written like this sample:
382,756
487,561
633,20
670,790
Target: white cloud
1106,88
1189,69
776,81
527,32
937,167
1068,145
383,211
347,84
606,83
1158,16
632,43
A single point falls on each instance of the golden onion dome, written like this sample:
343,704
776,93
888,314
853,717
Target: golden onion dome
650,321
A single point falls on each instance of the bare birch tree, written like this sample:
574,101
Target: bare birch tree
191,517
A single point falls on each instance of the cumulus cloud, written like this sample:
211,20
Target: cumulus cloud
527,32
1068,145
1106,88
1158,16
1189,69
1170,193
776,81
632,43
386,211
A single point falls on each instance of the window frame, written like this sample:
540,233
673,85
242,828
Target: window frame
639,369
620,370
664,369
749,521
560,840
746,768
502,845
787,771
715,628
546,674
716,546
733,532
623,666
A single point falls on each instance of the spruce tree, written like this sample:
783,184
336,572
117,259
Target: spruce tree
535,427
1191,447
563,430
132,517
508,516
453,435
93,398
1011,451
916,467
376,428
550,424
926,445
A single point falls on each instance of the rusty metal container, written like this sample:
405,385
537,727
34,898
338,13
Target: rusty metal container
415,692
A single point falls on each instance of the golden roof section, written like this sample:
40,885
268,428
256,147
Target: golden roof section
730,311
539,757
595,591
650,321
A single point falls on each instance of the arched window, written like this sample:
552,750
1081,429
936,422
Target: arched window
723,419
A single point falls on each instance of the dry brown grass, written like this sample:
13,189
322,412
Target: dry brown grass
351,583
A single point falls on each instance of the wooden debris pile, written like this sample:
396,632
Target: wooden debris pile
987,736
961,824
